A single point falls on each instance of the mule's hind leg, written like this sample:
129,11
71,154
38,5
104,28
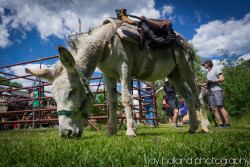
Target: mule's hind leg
112,104
176,79
197,95
205,124
127,100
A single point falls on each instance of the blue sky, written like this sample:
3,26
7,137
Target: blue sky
40,25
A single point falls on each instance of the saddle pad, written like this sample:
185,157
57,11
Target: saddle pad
129,32
126,31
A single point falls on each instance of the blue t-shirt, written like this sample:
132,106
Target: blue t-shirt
184,109
147,99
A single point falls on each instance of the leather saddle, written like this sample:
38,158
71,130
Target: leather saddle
154,32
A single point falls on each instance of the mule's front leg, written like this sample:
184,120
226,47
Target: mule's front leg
112,104
188,76
127,100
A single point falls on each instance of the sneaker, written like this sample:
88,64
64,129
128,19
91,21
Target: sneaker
176,126
219,126
181,123
227,126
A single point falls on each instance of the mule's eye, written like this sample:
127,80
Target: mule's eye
72,92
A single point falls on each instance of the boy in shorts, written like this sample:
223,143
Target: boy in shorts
216,98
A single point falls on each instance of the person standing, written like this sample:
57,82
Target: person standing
38,103
147,98
29,107
183,111
167,109
172,100
214,86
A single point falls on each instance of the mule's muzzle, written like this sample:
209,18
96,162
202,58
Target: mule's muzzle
70,133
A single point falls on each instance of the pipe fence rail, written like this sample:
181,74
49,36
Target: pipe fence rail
15,111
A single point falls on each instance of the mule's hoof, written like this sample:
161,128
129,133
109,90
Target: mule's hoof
204,129
135,129
130,134
191,131
110,133
193,128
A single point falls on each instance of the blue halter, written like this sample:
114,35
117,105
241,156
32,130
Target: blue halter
79,112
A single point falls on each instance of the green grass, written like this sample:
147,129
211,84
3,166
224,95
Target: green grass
152,147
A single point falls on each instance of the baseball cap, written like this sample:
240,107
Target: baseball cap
181,101
207,61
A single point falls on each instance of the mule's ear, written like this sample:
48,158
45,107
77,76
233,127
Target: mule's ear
41,73
66,58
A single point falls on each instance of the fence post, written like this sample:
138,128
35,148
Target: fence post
139,96
154,102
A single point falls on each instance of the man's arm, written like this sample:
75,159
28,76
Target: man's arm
202,84
164,102
220,79
159,90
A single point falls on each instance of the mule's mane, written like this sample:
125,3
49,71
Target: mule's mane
83,48
58,71
74,43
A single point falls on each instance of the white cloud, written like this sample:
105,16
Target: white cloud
98,70
60,18
167,10
147,9
218,64
181,20
245,56
94,88
20,71
232,35
135,102
197,14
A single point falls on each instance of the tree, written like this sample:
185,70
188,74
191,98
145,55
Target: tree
99,111
197,66
102,110
16,84
4,82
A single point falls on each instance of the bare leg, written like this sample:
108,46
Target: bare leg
217,115
181,120
137,116
175,118
170,119
112,104
225,114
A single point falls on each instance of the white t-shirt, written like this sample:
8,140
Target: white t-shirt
213,75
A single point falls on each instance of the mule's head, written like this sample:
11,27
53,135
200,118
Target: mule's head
71,93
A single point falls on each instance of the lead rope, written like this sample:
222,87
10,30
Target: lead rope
98,86
173,53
